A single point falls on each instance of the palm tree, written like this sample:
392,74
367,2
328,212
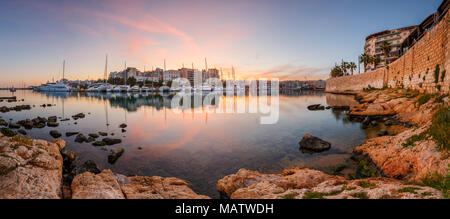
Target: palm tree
344,67
386,48
364,58
375,60
352,66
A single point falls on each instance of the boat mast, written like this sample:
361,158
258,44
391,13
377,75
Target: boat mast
64,70
106,67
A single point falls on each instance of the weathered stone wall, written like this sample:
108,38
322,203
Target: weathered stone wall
415,69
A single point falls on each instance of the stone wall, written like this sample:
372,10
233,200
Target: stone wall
415,69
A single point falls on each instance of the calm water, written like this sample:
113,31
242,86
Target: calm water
198,147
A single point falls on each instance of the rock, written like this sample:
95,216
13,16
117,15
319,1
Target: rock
71,156
52,124
99,143
22,132
311,143
144,187
412,163
108,185
3,122
343,108
123,130
383,132
65,120
31,172
115,155
4,109
39,126
80,138
93,135
316,107
69,134
103,134
7,132
88,166
79,116
139,148
55,134
122,126
52,119
28,124
14,126
303,183
96,186
90,140
112,141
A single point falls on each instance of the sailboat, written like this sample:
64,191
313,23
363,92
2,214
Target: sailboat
58,86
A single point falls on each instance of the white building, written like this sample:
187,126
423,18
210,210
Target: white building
171,75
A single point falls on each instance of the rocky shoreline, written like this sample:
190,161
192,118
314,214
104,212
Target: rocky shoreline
36,169
410,166
412,163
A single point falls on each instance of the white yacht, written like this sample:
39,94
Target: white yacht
93,88
54,87
135,88
116,88
124,88
145,89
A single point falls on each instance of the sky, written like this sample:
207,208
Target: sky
284,39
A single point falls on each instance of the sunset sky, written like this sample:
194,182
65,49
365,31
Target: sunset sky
285,39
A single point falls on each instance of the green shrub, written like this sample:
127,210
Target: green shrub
439,182
290,196
412,190
411,141
440,128
436,74
424,98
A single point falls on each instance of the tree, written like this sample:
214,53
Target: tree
131,81
364,58
344,67
375,60
352,67
336,71
386,48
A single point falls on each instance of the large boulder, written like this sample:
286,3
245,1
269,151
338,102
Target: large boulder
31,171
108,185
313,144
96,186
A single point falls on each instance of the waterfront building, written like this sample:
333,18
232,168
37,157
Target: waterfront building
171,75
394,37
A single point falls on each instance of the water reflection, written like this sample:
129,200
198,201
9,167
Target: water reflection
199,146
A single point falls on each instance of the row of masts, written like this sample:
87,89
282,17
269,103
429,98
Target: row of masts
105,75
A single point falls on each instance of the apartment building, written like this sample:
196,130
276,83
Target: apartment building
394,37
